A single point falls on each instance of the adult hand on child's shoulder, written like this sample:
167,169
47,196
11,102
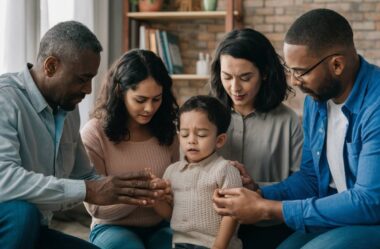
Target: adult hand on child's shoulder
246,179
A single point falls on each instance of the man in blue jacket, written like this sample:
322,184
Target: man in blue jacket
334,200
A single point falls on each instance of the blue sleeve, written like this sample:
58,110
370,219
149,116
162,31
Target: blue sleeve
359,205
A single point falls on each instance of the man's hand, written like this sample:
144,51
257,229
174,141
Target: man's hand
246,206
245,177
135,188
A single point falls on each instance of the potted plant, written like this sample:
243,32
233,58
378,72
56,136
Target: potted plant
148,5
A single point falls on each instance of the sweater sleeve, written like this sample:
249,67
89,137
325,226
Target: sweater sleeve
92,139
229,176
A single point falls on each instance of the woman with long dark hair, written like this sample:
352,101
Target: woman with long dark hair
265,137
132,128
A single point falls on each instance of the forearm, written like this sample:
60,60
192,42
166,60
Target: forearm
296,186
48,192
227,229
313,214
163,209
271,210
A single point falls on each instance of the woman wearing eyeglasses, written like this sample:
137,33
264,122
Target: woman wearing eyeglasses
265,137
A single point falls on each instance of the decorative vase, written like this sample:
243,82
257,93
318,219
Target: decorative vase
150,5
209,5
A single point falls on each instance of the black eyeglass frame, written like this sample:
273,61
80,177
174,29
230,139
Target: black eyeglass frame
299,77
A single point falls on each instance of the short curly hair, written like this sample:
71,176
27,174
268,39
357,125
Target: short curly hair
320,30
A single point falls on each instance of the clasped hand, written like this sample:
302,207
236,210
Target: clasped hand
136,188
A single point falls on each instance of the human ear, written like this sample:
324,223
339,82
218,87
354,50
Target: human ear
221,140
338,65
50,66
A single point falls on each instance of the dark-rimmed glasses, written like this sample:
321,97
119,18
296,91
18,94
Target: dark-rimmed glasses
298,75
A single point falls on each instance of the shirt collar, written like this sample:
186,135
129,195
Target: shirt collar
38,101
202,163
251,114
356,97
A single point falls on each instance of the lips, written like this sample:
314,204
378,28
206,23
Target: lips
238,96
192,150
146,116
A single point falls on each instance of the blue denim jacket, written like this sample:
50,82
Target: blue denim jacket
309,204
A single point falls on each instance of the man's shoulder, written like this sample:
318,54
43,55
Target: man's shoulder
12,80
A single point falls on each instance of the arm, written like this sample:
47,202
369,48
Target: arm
230,178
24,164
164,206
227,229
164,209
358,205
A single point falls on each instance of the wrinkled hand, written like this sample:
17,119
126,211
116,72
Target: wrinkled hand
245,177
135,188
245,205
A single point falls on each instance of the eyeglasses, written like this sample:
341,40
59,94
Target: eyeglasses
298,74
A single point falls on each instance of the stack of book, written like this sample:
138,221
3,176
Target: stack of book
165,44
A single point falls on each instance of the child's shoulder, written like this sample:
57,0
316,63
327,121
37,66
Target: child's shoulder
224,165
174,167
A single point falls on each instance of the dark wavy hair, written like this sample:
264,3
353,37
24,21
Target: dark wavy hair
251,45
126,73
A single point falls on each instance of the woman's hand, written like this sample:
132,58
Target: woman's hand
245,177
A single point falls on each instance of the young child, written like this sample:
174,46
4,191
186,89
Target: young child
203,122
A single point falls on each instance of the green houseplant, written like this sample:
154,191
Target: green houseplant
148,5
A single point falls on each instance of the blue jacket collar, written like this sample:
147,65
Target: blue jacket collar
356,97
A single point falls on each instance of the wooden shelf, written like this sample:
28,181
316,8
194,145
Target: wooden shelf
178,15
189,77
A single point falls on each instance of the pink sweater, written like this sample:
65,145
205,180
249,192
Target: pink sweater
111,159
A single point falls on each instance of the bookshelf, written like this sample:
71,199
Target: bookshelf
232,17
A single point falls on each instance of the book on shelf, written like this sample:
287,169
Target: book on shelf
165,45
175,53
160,48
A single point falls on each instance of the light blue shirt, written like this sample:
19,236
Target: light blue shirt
42,156
311,204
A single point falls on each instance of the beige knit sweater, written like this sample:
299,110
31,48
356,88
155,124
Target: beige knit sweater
194,220
111,159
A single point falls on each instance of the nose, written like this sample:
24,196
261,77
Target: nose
192,139
148,107
235,86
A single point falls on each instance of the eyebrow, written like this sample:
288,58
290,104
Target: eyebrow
198,129
298,68
141,96
240,75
